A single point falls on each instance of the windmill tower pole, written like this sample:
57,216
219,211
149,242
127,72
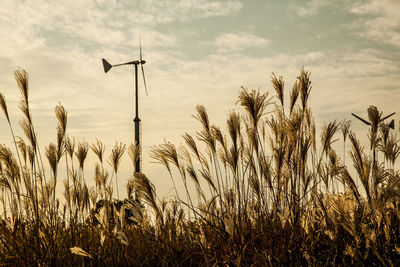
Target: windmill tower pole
136,119
107,66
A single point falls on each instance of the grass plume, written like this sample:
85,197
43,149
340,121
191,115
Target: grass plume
253,193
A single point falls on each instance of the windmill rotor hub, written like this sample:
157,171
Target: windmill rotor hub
136,62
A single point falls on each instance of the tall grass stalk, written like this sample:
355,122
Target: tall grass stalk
262,191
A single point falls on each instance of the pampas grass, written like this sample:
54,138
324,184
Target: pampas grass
81,154
114,160
259,190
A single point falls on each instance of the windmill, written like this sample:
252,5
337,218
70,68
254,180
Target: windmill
375,120
391,124
107,66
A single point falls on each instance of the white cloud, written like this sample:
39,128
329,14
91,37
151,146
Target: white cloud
101,22
311,8
237,41
184,10
380,21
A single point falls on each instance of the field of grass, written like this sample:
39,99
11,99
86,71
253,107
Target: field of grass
268,192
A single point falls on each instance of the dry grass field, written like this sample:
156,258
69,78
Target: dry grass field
268,192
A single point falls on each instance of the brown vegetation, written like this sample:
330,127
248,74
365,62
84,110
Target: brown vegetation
265,193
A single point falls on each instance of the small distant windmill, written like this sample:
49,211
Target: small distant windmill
391,124
374,122
107,66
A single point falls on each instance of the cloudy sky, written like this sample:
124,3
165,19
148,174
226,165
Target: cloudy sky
197,52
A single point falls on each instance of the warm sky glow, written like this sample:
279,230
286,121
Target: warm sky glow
197,52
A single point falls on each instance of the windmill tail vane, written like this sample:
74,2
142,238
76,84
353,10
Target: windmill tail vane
391,124
106,65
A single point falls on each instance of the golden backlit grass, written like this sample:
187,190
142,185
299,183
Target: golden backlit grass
265,191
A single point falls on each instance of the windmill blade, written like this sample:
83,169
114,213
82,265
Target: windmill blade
391,124
140,50
361,119
107,66
144,79
387,116
141,61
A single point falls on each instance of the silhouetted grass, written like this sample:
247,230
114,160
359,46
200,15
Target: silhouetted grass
263,192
